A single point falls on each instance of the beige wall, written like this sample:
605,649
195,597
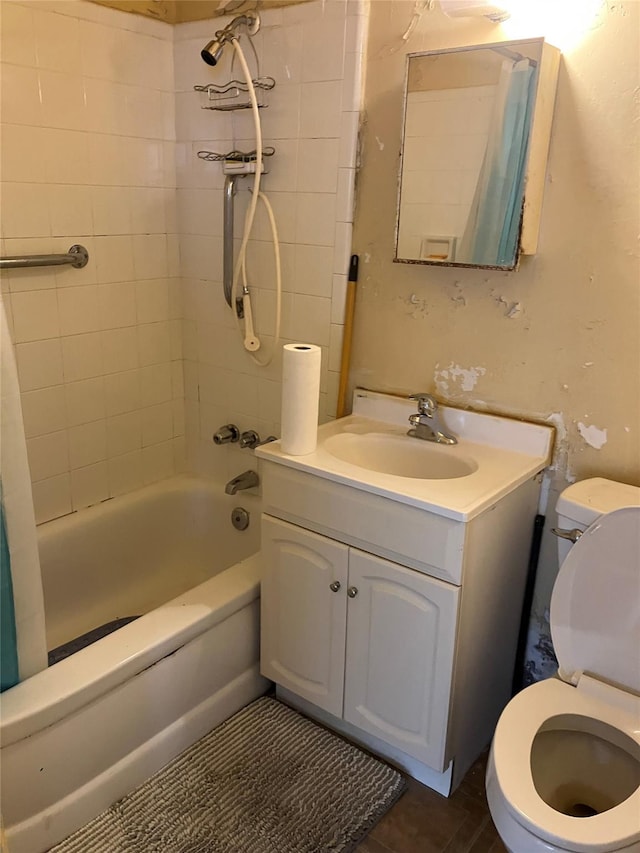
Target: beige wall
559,337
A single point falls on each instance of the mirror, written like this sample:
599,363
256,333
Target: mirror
466,148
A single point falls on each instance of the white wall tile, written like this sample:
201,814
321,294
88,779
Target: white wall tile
17,43
44,411
157,424
117,305
89,485
105,106
58,42
122,392
79,309
114,258
338,298
154,343
318,165
20,95
111,209
52,498
66,156
39,364
87,444
313,270
152,300
157,462
342,247
316,218
70,210
124,433
150,255
24,211
62,98
311,319
82,356
321,110
155,384
323,49
120,350
85,401
125,473
21,153
35,315
48,455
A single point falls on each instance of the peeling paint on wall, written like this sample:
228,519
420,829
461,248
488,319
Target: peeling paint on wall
465,378
380,143
593,436
540,659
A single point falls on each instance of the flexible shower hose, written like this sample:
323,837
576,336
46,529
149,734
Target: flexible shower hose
240,267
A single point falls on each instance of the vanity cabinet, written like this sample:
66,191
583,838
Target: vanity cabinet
391,604
361,637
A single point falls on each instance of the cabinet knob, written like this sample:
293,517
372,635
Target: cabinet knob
335,586
352,591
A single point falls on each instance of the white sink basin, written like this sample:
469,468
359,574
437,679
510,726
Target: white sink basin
371,451
401,456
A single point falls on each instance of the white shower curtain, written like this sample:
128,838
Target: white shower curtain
17,505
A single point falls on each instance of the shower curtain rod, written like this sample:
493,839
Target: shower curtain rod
516,57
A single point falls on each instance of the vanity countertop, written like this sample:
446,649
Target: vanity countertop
494,453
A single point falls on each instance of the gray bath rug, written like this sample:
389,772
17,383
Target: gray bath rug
268,780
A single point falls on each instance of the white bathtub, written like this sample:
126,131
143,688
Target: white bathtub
79,735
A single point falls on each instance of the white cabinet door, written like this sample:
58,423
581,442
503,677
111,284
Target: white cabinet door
303,618
400,645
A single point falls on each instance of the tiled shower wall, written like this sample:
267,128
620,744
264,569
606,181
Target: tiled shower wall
90,107
88,156
313,51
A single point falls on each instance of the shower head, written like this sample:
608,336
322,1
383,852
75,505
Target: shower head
212,52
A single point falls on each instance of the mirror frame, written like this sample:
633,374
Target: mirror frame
535,166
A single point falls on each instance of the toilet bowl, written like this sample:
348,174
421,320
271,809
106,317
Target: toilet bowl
564,769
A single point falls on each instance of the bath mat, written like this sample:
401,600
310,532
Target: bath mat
268,780
84,640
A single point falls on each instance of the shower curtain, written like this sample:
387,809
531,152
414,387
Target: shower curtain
22,628
493,224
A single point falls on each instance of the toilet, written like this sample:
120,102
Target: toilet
563,774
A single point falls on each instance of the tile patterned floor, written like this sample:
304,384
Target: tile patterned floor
425,822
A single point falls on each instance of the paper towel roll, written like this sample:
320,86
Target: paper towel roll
300,398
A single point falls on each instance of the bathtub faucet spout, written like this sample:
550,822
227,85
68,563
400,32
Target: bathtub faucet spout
246,480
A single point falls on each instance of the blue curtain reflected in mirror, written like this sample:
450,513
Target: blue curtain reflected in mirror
493,226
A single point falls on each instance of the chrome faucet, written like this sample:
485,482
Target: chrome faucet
426,424
246,480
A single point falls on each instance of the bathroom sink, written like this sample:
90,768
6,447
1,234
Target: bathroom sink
370,451
399,455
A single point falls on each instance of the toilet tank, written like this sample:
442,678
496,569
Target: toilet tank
581,503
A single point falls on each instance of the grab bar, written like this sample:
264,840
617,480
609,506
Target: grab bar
77,256
227,240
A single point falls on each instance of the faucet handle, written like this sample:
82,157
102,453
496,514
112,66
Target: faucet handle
427,404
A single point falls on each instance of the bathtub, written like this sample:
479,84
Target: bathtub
79,735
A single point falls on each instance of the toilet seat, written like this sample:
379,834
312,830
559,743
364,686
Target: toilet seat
595,617
519,724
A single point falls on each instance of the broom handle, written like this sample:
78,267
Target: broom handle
347,335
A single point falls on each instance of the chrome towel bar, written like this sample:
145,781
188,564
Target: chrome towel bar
77,256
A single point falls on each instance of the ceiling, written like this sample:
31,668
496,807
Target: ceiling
178,11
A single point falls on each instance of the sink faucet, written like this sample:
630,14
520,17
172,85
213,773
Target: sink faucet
426,423
246,480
